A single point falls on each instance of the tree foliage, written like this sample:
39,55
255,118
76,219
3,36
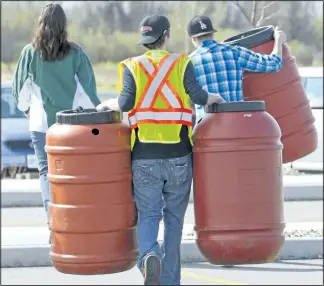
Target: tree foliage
109,30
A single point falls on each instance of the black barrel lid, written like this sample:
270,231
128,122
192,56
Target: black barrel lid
81,116
239,106
252,38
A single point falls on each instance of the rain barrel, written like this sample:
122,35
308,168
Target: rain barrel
283,93
237,183
91,211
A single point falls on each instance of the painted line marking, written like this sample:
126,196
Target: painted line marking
211,279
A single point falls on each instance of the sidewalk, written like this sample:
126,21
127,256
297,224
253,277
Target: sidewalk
26,193
28,246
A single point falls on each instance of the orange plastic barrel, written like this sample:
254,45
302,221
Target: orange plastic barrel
237,182
283,93
92,212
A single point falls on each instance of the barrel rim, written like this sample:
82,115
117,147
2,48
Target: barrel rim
90,116
239,106
252,38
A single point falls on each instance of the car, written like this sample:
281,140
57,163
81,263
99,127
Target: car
312,79
17,152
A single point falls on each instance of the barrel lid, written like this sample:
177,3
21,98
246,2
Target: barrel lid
239,106
81,116
252,38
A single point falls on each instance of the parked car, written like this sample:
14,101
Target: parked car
312,78
313,84
17,153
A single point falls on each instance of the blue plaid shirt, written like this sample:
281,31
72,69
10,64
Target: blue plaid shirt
219,68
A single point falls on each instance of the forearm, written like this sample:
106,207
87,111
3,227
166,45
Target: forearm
21,84
89,86
192,87
256,62
94,98
86,78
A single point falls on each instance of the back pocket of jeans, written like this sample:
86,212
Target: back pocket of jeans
143,175
180,171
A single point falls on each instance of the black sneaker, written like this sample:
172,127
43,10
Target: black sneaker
152,270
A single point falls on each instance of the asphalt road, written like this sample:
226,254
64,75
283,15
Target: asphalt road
298,211
292,272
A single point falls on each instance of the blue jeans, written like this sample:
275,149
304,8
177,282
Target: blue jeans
162,189
39,142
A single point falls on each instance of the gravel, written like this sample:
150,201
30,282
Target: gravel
304,233
290,232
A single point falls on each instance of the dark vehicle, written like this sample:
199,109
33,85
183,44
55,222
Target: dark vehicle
17,153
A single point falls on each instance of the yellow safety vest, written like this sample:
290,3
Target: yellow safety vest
162,105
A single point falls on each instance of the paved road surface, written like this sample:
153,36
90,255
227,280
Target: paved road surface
293,272
304,211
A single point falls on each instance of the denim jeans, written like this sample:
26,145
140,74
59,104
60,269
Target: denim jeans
162,189
39,142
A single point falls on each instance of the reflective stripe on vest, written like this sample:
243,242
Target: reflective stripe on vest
157,83
160,117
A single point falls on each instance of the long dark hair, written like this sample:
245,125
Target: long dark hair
51,34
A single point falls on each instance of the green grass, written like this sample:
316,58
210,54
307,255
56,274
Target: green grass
318,63
105,73
106,76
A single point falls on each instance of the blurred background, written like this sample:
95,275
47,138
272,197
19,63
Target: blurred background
108,31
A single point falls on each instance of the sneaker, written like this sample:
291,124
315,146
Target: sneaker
152,270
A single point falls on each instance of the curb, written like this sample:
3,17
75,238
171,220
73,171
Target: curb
38,255
21,199
13,196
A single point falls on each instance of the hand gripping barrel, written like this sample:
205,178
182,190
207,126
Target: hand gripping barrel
283,93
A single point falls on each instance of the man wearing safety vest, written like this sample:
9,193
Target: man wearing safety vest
156,90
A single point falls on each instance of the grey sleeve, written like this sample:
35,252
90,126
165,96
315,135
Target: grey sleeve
192,87
126,100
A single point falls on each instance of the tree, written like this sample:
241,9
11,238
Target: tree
256,13
318,32
298,20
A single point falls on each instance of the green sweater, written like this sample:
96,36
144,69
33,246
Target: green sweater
42,88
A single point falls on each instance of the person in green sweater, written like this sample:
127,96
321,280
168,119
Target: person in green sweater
52,75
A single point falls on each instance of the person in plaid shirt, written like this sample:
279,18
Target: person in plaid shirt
219,67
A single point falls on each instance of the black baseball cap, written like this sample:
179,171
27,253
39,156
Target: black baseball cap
152,28
200,25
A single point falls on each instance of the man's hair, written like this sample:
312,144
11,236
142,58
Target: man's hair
51,34
159,43
204,37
